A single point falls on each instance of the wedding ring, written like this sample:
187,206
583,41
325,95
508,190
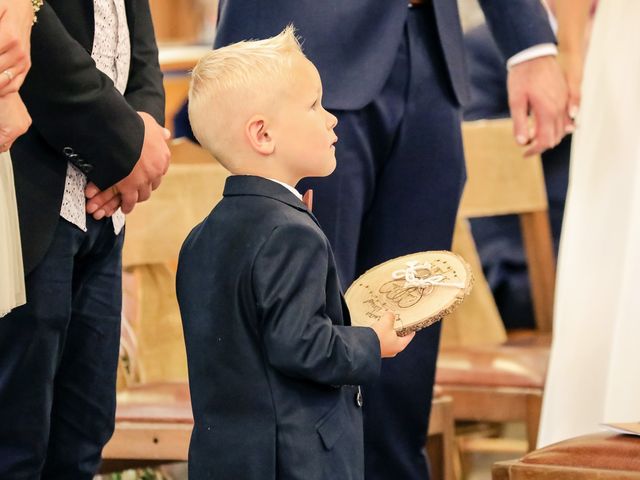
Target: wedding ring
9,74
115,191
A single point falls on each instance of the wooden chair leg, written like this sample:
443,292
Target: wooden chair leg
441,442
532,421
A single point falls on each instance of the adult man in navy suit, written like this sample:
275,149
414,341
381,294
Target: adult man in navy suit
395,77
59,352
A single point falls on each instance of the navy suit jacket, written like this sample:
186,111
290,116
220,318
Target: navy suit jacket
272,358
353,43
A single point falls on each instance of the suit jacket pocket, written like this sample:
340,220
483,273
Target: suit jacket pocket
331,427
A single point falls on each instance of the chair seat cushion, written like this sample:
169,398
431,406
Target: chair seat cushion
493,366
603,451
166,402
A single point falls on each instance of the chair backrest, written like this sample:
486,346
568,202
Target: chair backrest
153,345
501,181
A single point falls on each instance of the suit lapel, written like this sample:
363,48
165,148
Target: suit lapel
258,186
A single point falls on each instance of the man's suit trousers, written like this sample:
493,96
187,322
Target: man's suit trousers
395,191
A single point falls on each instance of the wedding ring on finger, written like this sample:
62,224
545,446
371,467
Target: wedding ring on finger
9,74
115,191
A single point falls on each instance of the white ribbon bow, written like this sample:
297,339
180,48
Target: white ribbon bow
412,280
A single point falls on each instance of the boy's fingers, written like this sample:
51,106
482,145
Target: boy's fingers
388,317
406,340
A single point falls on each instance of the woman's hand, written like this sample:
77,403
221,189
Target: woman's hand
572,64
14,120
16,19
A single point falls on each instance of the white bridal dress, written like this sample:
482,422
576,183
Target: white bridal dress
12,292
594,371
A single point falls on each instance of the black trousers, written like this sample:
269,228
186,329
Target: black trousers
395,191
58,358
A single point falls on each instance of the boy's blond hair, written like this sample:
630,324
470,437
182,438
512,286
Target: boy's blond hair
230,81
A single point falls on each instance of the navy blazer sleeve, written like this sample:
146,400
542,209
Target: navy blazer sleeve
517,24
92,117
300,340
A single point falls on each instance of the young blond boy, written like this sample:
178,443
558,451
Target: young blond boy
273,363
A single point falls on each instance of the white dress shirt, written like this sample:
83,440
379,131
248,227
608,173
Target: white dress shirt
288,187
112,53
541,50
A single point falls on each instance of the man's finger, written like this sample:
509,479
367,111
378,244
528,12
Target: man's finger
110,207
129,200
144,192
519,114
546,135
156,183
91,190
532,149
99,200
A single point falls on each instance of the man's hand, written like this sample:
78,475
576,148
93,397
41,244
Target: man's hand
539,86
16,18
143,179
14,120
390,343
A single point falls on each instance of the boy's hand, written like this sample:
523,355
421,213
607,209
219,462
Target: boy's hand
390,343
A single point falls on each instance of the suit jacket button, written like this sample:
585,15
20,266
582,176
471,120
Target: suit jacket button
359,401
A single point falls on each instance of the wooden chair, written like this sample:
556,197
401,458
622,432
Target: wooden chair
602,456
504,381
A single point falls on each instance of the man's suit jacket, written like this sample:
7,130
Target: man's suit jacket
272,360
354,43
78,115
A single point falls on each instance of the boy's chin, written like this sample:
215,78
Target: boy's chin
323,170
330,167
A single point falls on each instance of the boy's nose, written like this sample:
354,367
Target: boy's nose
333,121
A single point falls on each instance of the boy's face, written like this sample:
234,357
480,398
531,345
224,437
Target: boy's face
304,129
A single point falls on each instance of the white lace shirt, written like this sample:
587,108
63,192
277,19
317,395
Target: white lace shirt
112,53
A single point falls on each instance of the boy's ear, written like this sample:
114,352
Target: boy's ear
258,135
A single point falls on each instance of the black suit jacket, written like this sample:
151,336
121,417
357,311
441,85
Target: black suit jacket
354,42
78,115
272,358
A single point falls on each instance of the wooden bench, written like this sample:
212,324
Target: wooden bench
600,456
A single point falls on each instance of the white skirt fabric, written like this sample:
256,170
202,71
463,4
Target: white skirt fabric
12,292
594,371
